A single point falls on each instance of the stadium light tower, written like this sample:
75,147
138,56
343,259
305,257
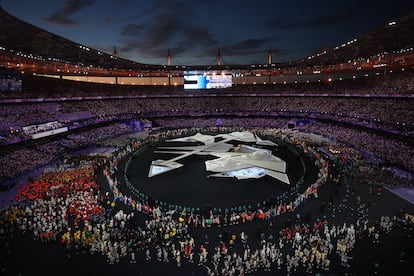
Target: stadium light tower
169,58
218,57
269,63
269,57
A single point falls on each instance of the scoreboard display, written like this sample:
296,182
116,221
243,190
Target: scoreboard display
207,80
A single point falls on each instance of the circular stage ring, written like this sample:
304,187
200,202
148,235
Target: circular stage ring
165,205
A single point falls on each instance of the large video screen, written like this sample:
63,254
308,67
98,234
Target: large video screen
207,80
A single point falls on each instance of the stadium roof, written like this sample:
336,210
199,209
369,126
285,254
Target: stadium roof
21,37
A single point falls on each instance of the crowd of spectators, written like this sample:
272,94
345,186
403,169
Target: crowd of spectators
21,158
66,206
15,162
56,201
390,115
390,150
393,83
249,123
18,115
85,138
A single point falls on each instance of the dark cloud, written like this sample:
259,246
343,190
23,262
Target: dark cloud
253,49
330,19
198,36
323,20
149,37
162,27
62,16
284,23
132,30
172,7
122,12
249,46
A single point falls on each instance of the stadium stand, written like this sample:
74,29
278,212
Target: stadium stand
356,135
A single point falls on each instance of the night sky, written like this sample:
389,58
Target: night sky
243,30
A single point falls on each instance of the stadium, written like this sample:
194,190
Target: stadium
112,166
